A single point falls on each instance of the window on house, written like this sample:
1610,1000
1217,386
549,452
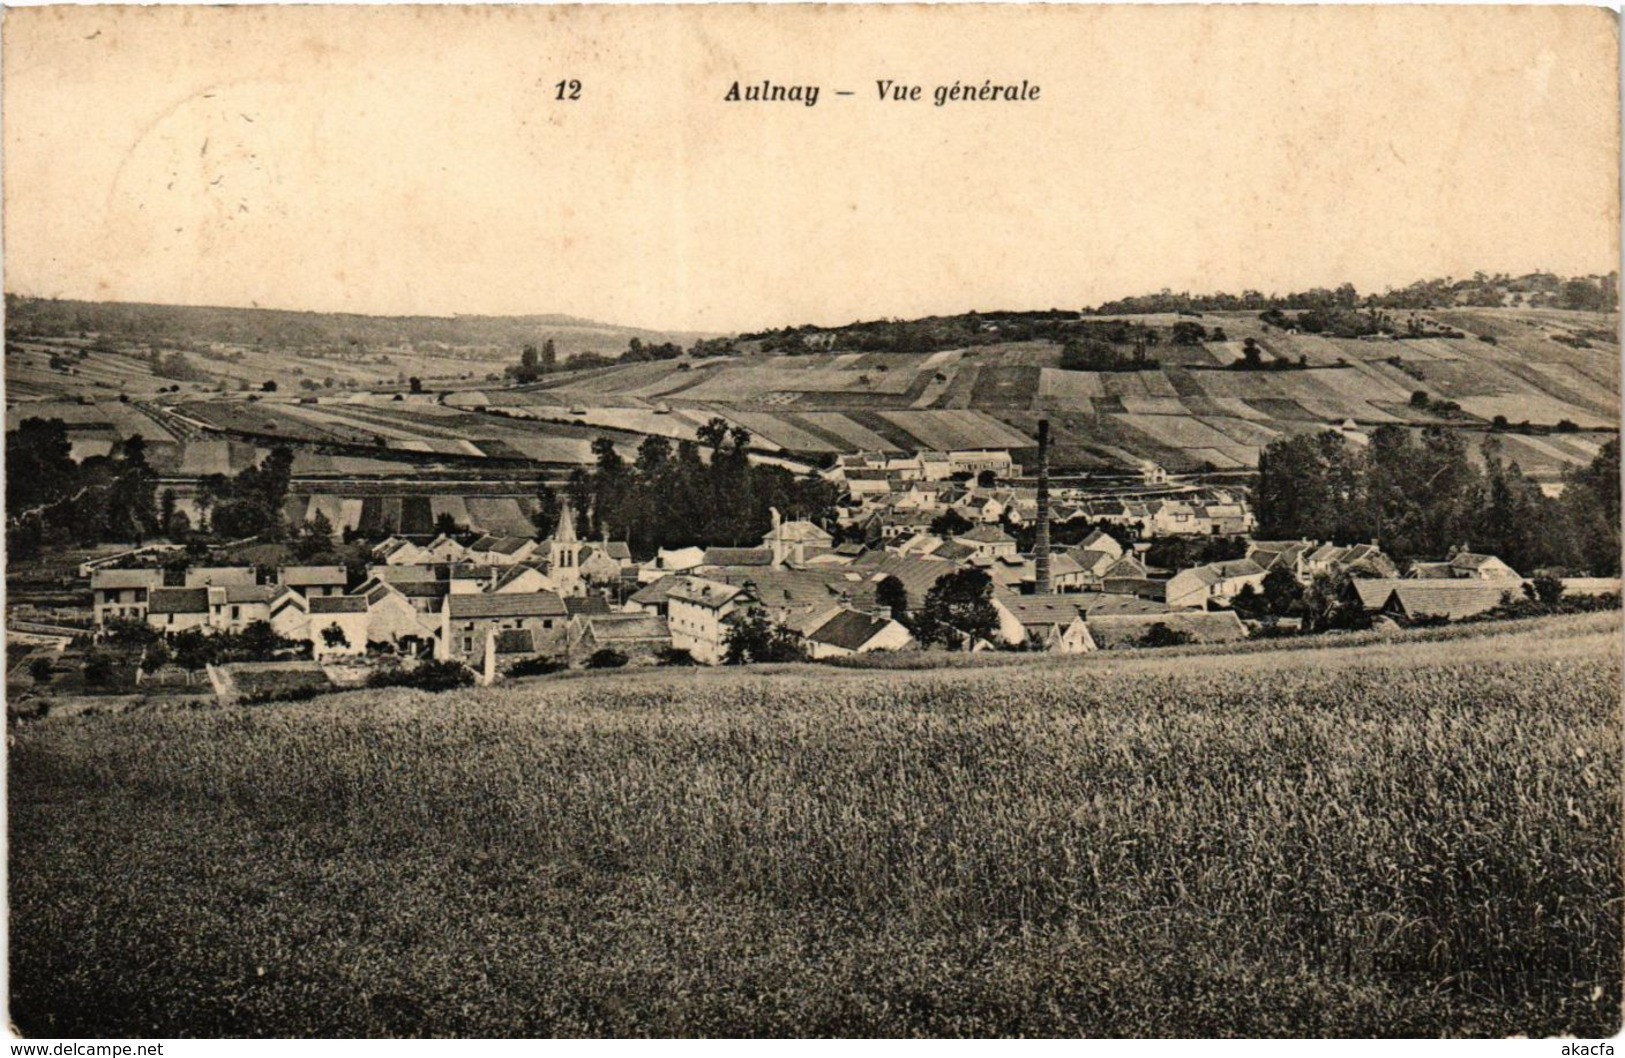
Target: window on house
468,644
236,612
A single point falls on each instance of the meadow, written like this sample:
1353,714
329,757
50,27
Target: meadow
1410,837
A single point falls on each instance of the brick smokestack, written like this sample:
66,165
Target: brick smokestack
1041,546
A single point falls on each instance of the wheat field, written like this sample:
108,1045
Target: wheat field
1410,838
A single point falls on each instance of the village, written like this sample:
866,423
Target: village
933,550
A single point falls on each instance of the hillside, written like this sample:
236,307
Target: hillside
1383,839
185,326
1190,412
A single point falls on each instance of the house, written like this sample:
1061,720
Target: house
1107,604
466,620
606,561
1364,559
680,560
1452,600
651,598
522,580
121,594
936,466
396,619
1053,621
204,576
290,615
1064,575
1100,540
1113,631
1215,582
234,607
1153,473
696,609
974,461
736,556
639,637
1481,567
398,551
843,632
866,482
918,575
988,541
177,609
312,581
794,541
444,548
1290,555
586,605
501,550
338,625
1174,518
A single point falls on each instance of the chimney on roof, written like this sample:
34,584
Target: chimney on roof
1041,574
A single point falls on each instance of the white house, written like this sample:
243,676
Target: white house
122,594
695,612
1053,621
843,632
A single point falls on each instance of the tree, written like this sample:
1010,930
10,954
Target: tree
1419,398
529,367
40,669
446,524
550,356
987,479
1251,353
1545,589
958,606
950,523
414,384
1282,593
892,594
268,386
1188,332
315,538
334,638
546,516
754,639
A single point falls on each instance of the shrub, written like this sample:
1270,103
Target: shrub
607,658
425,676
40,669
537,666
1160,635
676,658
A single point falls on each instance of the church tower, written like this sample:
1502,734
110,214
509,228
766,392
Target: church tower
564,554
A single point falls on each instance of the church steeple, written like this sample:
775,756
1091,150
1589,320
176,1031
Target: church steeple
564,554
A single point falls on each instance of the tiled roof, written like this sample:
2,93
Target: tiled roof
513,604
738,556
628,628
324,604
1454,599
702,592
580,605
848,629
1041,610
178,601
298,576
127,578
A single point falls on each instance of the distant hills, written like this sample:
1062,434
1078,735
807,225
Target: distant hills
198,327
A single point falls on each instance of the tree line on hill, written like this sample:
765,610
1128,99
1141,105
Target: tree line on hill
672,496
1535,290
1422,496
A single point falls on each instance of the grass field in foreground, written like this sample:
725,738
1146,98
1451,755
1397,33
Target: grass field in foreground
1406,839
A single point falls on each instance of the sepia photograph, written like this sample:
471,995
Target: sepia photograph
812,522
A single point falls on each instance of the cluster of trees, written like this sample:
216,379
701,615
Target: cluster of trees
50,496
1095,354
934,333
251,503
1594,293
533,363
1252,359
174,365
1422,496
673,496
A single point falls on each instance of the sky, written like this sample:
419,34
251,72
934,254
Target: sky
417,160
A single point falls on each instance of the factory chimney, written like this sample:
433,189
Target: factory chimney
1041,573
